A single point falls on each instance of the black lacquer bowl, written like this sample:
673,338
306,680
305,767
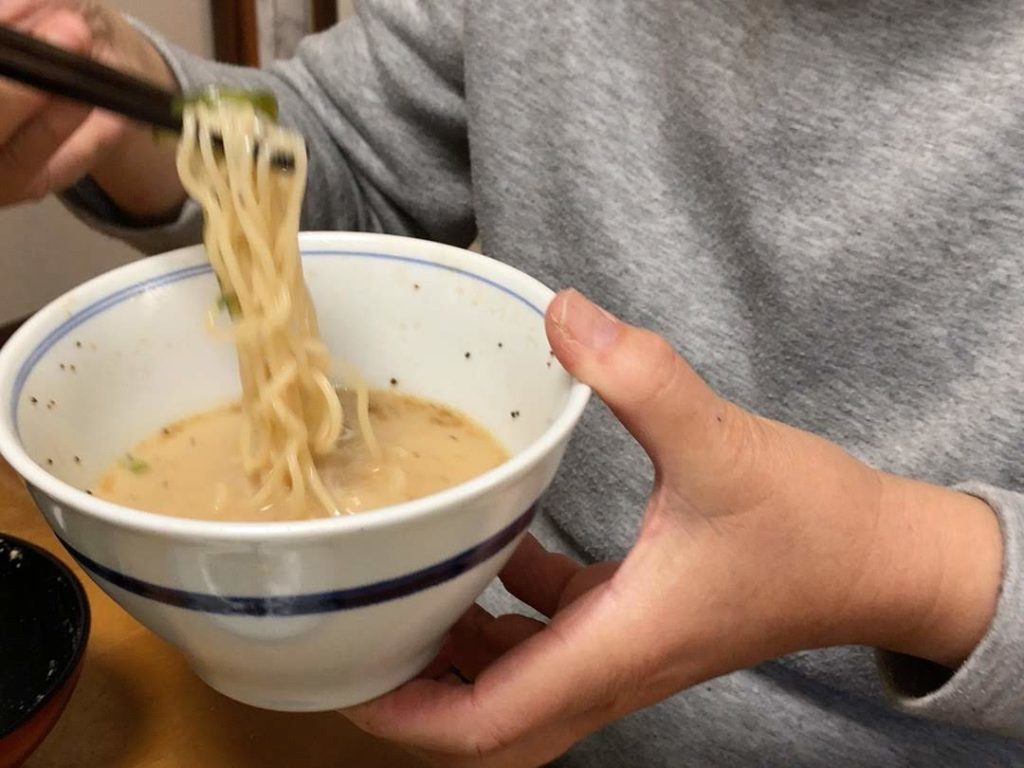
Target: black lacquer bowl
44,626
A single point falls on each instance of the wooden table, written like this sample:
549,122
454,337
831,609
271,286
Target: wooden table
138,705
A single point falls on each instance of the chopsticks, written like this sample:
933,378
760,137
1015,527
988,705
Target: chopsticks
48,68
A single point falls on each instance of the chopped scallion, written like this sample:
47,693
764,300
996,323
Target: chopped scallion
134,464
262,101
229,301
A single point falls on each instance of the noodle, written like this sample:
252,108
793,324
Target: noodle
292,414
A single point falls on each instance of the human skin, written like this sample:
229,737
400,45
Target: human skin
758,540
48,143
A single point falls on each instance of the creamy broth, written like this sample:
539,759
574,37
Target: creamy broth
193,468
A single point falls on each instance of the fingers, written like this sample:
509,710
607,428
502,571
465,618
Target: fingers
470,653
476,641
63,29
536,689
441,664
20,104
585,580
32,125
481,639
651,389
549,581
574,667
79,154
538,577
25,157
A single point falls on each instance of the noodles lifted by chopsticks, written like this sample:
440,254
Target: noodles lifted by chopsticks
291,409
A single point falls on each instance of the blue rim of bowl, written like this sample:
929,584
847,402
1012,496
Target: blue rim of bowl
14,352
82,630
289,605
122,295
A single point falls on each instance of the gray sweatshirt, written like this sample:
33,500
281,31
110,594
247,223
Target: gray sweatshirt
818,202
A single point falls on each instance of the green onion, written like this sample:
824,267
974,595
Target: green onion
134,465
229,301
262,101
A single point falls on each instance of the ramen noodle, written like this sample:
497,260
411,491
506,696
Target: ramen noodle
290,412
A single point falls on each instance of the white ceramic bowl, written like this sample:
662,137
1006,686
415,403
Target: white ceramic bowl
309,615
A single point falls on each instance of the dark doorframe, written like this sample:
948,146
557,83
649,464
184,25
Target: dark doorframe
235,34
325,14
236,38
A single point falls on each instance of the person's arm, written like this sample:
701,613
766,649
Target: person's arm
986,689
758,540
378,98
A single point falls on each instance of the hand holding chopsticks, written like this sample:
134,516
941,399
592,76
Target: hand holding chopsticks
46,67
39,65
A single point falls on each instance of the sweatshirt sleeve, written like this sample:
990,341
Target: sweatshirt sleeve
987,690
380,101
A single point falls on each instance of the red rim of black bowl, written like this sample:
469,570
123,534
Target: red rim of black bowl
81,633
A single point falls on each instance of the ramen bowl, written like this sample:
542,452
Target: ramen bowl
305,615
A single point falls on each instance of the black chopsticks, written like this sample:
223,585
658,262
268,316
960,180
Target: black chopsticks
43,66
48,68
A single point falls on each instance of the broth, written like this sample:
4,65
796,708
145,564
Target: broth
193,468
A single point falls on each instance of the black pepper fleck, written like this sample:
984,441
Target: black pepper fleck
515,414
49,462
415,286
73,369
78,460
62,366
394,382
89,492
78,344
500,345
34,400
166,431
468,355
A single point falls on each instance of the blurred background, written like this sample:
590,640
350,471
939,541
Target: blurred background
44,250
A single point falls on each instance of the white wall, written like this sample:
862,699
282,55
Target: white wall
44,251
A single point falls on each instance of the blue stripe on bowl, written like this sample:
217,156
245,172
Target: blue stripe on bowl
315,602
433,265
130,291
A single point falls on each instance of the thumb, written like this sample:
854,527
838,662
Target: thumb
657,396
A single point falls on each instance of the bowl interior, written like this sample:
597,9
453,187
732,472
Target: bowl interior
119,357
45,625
